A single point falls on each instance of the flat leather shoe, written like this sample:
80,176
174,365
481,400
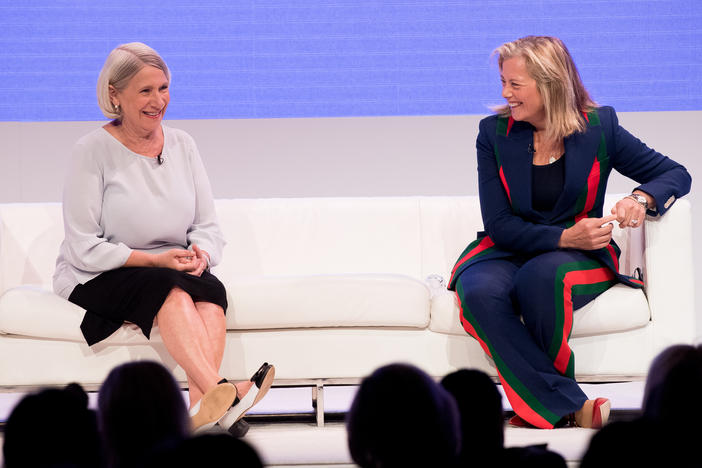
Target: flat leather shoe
213,405
262,381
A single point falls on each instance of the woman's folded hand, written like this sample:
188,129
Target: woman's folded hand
201,260
177,259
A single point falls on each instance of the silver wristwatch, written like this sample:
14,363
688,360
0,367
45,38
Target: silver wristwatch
640,199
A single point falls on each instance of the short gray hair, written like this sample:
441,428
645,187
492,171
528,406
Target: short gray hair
122,64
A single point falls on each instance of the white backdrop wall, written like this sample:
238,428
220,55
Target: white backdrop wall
328,157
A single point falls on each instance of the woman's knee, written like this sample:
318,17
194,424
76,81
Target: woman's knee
210,310
481,286
535,277
485,292
176,293
177,300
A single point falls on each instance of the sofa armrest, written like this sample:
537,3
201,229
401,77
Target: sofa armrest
669,275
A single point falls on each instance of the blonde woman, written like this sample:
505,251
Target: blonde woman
547,248
141,233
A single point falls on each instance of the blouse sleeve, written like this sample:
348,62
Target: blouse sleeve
85,246
204,231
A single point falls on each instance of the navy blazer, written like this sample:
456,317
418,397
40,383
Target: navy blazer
505,185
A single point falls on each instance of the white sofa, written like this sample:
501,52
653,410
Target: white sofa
328,289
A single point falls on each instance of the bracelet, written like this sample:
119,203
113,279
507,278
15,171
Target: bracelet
640,199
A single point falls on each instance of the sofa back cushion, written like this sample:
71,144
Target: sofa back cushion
30,236
450,223
319,236
413,236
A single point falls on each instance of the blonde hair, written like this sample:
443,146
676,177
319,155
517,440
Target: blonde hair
121,65
550,64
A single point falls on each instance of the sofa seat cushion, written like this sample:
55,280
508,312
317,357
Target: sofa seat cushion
353,300
259,303
32,311
35,312
618,309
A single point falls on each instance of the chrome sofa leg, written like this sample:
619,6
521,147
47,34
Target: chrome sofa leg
318,403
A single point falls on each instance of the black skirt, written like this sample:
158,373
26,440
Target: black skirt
136,294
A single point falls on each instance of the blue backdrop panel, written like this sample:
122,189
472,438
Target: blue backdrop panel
311,58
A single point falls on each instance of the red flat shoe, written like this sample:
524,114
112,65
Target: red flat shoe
516,421
600,412
594,414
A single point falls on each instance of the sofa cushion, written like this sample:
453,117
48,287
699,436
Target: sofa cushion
620,308
30,236
327,301
263,303
33,311
320,236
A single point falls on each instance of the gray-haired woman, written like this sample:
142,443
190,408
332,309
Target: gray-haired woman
141,233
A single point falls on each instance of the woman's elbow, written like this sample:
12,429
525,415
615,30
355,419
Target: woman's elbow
688,181
502,237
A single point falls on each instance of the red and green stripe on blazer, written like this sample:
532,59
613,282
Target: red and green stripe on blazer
592,194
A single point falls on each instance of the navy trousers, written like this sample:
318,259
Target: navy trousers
534,362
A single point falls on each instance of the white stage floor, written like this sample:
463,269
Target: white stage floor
303,443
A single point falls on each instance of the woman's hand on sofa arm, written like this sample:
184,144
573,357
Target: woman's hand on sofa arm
630,212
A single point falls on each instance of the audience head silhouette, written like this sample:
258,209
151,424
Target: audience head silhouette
400,417
482,425
666,434
480,408
624,443
674,385
140,409
209,450
75,443
673,388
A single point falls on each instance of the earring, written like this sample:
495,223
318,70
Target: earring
116,107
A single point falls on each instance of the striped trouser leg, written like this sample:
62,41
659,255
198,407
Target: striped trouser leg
490,304
549,288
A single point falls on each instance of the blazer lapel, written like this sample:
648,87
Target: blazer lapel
580,154
516,163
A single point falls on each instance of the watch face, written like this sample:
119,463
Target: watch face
640,198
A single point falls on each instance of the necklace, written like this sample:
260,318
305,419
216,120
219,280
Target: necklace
550,152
